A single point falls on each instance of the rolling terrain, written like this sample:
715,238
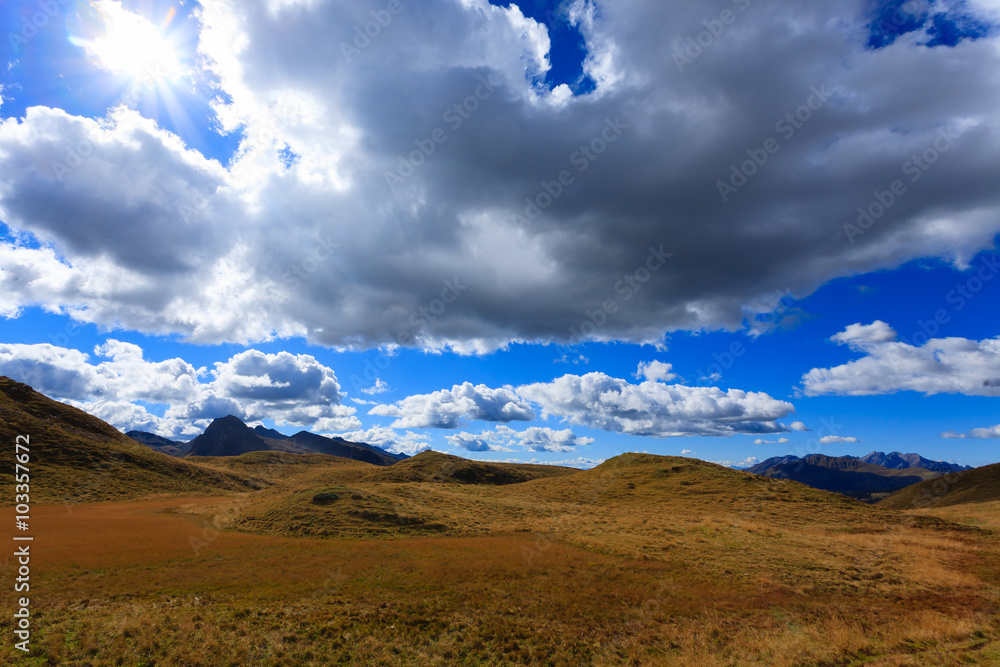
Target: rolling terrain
643,560
76,457
975,485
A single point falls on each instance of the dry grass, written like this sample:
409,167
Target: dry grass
983,515
643,561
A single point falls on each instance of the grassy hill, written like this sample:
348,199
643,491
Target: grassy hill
431,466
976,485
76,457
643,560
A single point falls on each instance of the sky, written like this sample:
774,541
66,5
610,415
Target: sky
539,231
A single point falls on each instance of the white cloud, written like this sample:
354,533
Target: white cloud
975,434
504,439
476,443
745,463
861,336
576,361
448,408
685,452
289,389
798,426
380,387
939,366
779,441
657,371
654,408
149,235
837,440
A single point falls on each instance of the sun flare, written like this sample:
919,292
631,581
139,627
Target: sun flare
131,46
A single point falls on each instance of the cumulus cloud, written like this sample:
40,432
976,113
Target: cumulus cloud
685,452
861,336
837,440
975,434
380,387
779,441
657,371
654,408
798,426
448,408
289,389
939,366
284,240
504,439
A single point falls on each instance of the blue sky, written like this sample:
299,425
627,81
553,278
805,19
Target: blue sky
471,226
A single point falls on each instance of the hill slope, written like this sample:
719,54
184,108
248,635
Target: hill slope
343,448
77,457
975,485
643,561
160,444
431,466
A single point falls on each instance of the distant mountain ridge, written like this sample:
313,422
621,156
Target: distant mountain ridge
268,433
229,436
160,444
899,461
850,475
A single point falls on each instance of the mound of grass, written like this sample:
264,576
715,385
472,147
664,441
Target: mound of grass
430,466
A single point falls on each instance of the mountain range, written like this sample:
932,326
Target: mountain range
868,478
899,461
230,436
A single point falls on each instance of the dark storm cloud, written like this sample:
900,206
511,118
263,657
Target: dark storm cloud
428,158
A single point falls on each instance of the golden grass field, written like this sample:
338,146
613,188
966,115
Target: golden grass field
644,560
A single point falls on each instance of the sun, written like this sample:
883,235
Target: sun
128,45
